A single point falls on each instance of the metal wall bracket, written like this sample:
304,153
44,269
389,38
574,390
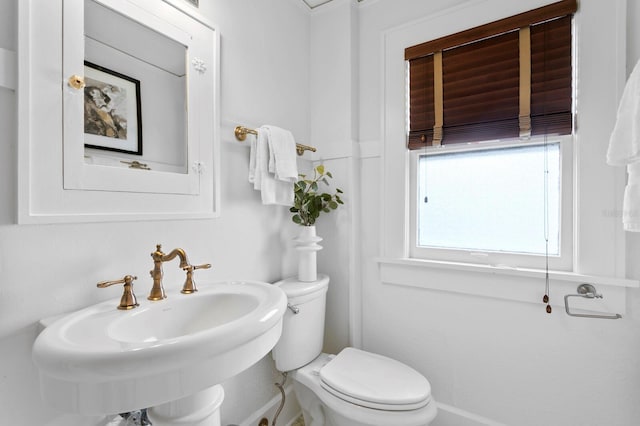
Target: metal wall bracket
587,291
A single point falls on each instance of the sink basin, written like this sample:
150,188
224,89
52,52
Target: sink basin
101,360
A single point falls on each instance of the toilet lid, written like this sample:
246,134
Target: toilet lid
375,381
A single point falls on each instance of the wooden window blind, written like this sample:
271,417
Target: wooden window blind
502,80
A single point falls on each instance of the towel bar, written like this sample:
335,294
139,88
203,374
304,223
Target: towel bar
588,291
241,133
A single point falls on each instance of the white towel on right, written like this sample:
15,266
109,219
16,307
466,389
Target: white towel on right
624,149
624,143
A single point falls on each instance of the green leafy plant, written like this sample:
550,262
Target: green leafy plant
308,202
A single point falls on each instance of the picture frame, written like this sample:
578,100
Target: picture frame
112,110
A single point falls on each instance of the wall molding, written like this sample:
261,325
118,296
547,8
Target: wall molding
507,284
449,415
369,149
8,69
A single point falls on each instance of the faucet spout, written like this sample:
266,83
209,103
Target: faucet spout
184,262
159,257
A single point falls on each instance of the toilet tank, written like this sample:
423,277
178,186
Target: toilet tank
302,332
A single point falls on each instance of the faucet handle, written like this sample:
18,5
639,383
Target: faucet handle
128,300
203,266
189,285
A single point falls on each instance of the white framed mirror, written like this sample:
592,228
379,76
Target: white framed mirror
149,74
119,114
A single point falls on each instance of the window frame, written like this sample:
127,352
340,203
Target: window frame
492,33
561,262
599,239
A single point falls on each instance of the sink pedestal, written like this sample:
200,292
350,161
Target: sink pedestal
199,409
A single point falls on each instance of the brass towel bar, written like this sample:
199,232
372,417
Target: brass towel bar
241,134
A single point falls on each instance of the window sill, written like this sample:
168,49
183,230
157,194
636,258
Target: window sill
498,282
571,277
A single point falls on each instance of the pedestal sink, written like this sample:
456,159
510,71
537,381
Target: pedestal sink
101,360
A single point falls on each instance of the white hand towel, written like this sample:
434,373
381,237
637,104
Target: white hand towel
273,191
624,144
276,191
282,154
258,159
253,153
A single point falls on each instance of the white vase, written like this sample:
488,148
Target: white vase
307,246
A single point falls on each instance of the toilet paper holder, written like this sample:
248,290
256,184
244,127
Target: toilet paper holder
587,291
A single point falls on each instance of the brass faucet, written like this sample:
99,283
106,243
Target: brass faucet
157,291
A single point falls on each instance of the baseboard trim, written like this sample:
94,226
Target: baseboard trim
290,412
449,415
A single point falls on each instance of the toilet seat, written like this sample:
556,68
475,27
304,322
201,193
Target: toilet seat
374,381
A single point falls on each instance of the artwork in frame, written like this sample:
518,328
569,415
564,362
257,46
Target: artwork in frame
112,115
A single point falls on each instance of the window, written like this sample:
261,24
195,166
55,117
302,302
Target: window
490,200
595,230
491,204
490,111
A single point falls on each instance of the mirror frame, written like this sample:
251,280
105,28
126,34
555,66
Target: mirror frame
54,182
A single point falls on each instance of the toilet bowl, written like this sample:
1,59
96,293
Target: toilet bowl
352,388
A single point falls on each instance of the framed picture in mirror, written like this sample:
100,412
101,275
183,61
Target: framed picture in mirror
112,114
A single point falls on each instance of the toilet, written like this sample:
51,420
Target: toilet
352,388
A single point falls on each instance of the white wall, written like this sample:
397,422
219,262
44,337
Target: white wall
332,101
501,360
51,269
